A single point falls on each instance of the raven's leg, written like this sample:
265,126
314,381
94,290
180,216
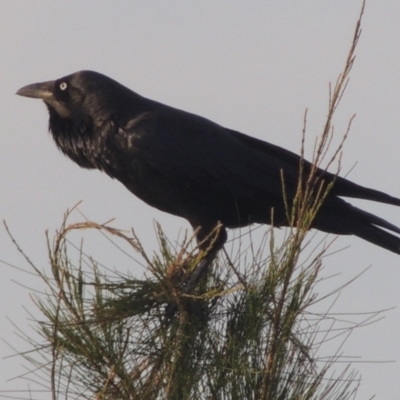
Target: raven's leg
210,240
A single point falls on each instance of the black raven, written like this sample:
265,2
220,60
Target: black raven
189,166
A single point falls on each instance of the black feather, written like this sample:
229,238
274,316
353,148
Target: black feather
189,166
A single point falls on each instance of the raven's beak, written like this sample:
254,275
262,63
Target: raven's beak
42,90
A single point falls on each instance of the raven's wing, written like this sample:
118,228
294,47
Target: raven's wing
197,152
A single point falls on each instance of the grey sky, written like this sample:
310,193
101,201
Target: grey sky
251,66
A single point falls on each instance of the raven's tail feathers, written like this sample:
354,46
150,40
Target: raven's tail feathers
345,188
370,228
342,218
380,237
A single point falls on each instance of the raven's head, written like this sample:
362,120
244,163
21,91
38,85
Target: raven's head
83,107
82,95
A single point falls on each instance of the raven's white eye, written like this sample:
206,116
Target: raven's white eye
63,85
